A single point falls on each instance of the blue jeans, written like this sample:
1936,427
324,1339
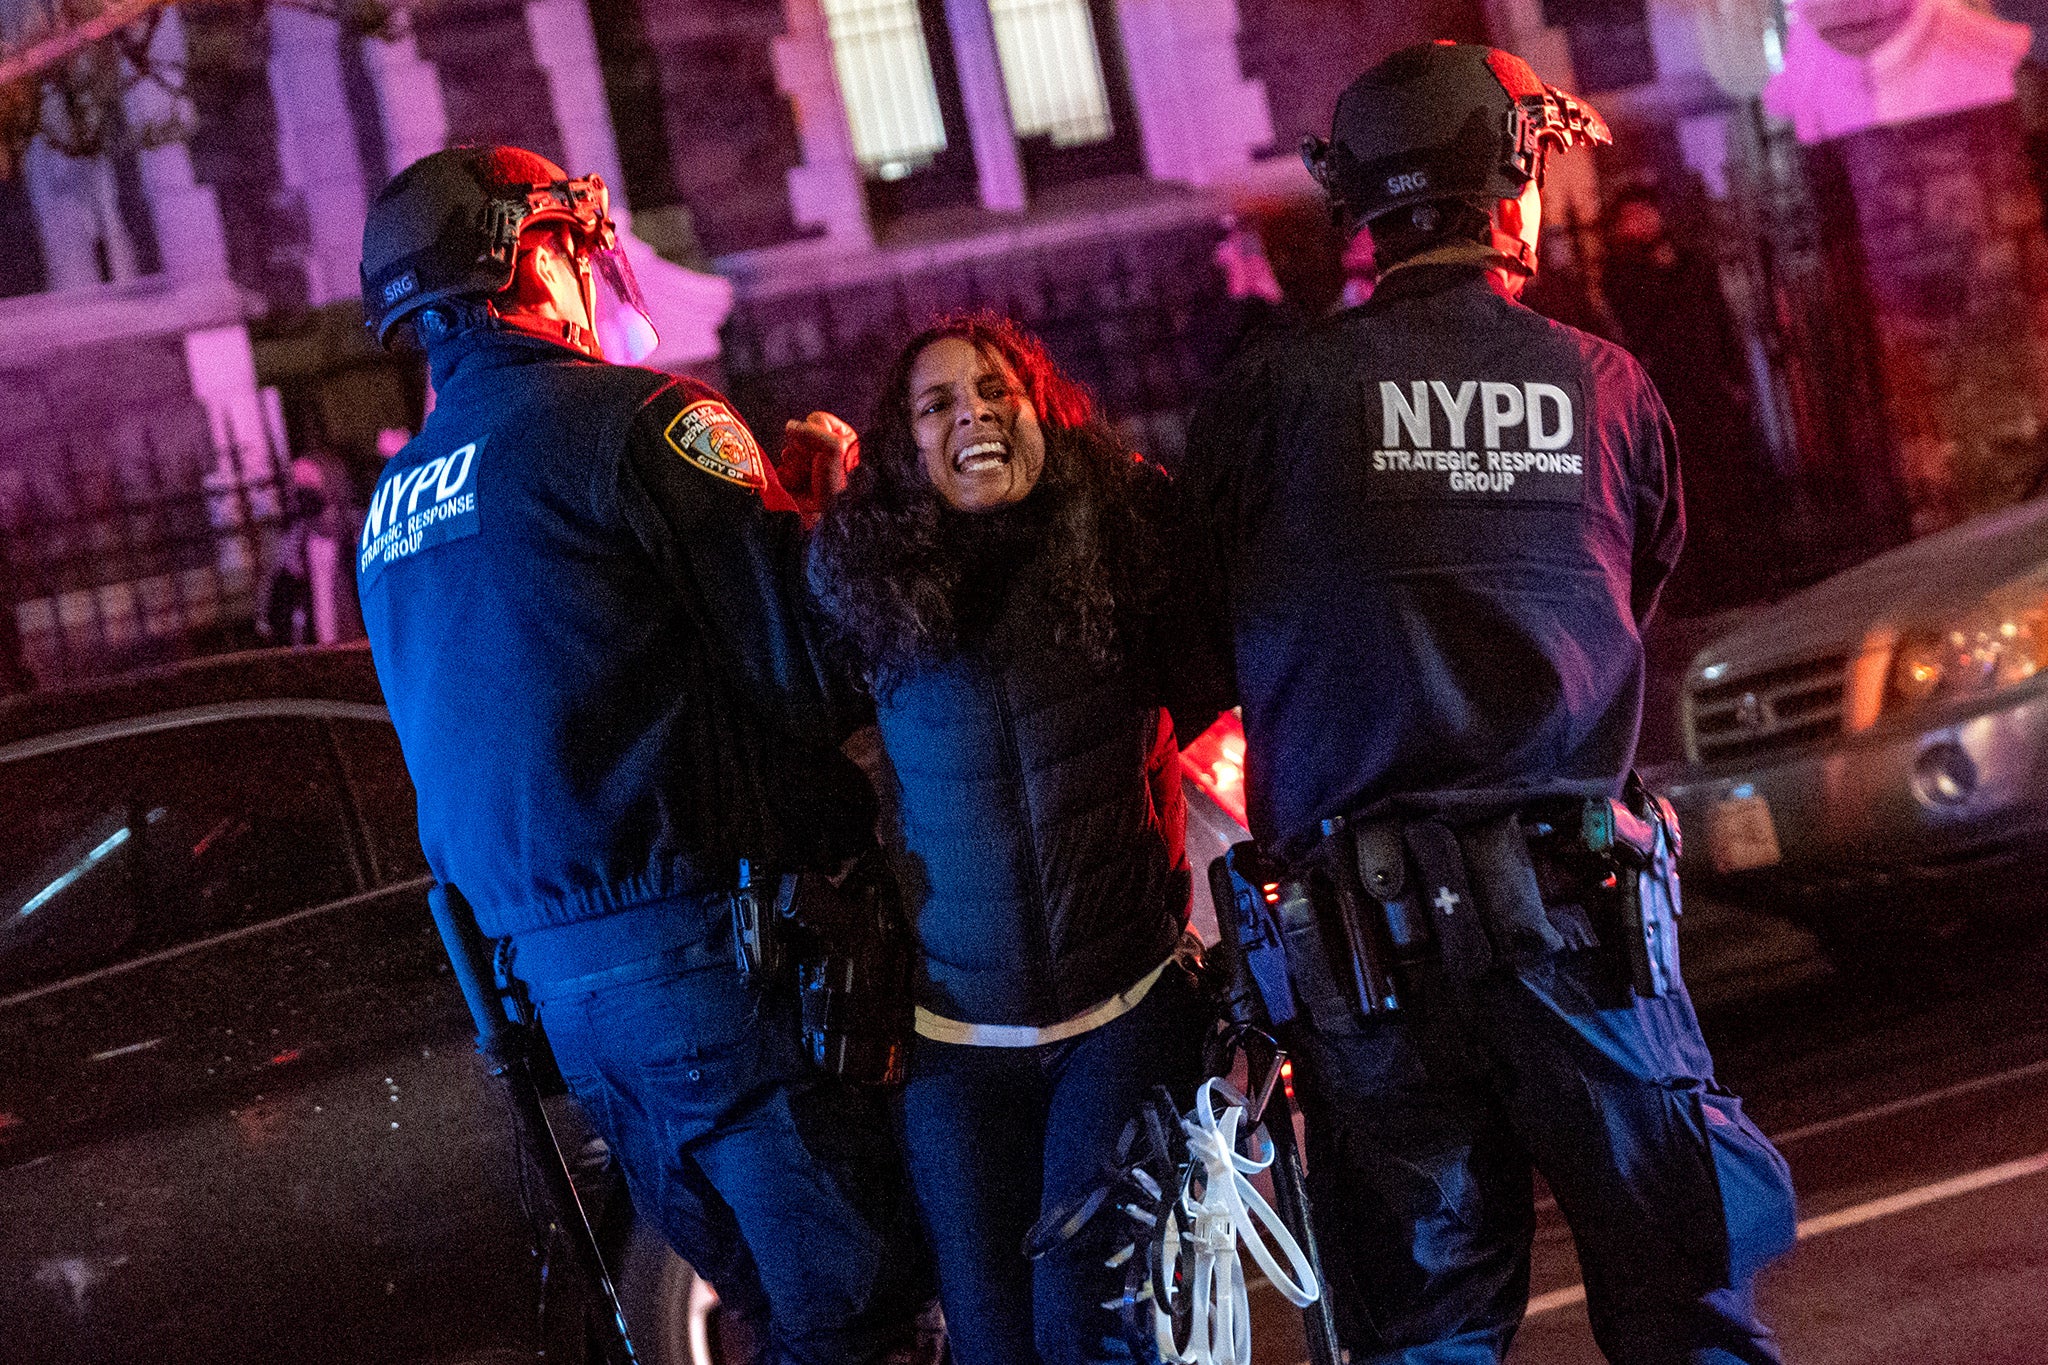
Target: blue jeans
1422,1130
723,1130
996,1135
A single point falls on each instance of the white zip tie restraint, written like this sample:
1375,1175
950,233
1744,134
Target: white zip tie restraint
1183,1189
1196,1245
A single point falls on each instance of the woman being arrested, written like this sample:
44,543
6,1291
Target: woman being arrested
994,572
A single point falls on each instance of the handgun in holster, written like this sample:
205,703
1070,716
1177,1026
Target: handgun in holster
1639,833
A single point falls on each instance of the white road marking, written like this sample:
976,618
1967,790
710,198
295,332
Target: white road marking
113,1052
1920,1196
1925,1194
1885,1111
1860,1213
1912,1102
1551,1302
1967,1183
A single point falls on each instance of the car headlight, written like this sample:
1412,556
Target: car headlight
2001,640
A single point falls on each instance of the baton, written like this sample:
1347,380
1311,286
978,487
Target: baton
507,1046
1290,1184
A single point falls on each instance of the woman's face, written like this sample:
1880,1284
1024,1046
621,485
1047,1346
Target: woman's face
977,434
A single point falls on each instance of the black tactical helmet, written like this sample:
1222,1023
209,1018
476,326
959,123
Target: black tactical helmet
448,227
1443,120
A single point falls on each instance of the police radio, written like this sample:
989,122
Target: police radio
1244,890
1258,997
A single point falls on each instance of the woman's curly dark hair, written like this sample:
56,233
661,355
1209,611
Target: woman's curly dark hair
891,560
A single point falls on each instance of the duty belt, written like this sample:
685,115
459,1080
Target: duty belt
1406,887
1331,936
622,948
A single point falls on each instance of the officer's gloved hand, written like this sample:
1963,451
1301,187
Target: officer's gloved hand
816,456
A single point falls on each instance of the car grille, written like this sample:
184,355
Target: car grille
1775,711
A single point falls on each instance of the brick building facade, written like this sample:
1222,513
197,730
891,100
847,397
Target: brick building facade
725,124
805,181
1949,222
1915,128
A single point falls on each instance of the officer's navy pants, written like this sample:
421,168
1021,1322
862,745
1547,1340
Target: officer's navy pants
1423,1127
997,1134
697,1083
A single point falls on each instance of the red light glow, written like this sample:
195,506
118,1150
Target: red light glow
1215,761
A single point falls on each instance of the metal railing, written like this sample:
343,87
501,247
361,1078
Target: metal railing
1801,290
107,567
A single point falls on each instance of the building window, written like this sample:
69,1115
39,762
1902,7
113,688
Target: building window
885,74
901,75
1052,70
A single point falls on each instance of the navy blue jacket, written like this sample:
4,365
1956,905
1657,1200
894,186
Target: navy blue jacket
1427,533
587,629
1042,843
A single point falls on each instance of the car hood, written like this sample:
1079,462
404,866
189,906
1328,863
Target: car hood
1923,581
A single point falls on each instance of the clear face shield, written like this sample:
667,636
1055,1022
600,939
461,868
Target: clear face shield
617,311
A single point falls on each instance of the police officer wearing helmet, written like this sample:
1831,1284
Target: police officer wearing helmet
1431,529
586,625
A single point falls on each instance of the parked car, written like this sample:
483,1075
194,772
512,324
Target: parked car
241,1114
1870,756
241,1117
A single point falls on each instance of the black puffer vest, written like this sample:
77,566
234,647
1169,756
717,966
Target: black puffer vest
1041,846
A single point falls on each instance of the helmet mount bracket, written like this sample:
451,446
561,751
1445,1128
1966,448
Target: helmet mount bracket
444,236
1439,122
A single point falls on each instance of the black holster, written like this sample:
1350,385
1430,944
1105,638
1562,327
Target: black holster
1639,840
845,941
853,971
1332,937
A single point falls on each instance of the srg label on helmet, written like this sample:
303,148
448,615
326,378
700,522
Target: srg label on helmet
418,507
712,437
1476,438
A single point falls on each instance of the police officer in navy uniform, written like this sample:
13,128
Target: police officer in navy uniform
586,625
1430,530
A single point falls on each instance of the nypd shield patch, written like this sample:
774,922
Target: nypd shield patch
711,436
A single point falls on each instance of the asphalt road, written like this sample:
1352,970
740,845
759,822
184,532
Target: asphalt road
1916,1124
